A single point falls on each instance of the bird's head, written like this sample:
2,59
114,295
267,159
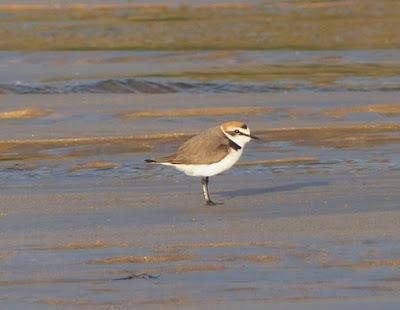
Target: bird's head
238,132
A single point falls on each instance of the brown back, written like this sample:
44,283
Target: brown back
207,147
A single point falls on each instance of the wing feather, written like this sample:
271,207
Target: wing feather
207,147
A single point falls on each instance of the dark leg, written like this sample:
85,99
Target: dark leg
204,182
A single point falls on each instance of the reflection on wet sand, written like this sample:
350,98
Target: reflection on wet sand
77,147
23,114
386,110
381,263
348,136
310,213
279,162
141,259
198,112
256,25
194,268
80,246
265,190
251,258
94,165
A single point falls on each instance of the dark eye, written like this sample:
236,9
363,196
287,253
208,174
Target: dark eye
236,131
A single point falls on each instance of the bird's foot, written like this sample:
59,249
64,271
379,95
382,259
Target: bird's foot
212,203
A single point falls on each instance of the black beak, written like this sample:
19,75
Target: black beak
254,137
250,136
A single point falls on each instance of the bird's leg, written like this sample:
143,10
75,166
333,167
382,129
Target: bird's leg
204,182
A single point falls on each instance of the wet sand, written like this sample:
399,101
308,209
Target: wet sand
310,216
294,239
205,25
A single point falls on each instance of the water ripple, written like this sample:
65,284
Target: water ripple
160,86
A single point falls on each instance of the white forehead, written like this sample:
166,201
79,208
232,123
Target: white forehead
247,129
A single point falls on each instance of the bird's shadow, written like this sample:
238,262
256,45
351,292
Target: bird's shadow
264,190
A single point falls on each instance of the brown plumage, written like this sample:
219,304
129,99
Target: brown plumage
208,147
209,153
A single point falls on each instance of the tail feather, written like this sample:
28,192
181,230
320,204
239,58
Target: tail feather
150,161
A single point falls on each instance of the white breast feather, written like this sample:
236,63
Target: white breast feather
211,169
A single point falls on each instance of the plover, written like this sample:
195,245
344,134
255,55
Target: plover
209,153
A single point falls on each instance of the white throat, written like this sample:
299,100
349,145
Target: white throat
239,139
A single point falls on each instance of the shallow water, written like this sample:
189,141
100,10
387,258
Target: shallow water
199,72
310,213
152,101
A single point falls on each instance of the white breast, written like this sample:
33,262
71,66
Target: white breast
211,169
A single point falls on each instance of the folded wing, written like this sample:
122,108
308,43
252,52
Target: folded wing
205,148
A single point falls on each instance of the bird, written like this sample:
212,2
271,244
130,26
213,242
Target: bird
209,153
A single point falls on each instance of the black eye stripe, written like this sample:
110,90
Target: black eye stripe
236,132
